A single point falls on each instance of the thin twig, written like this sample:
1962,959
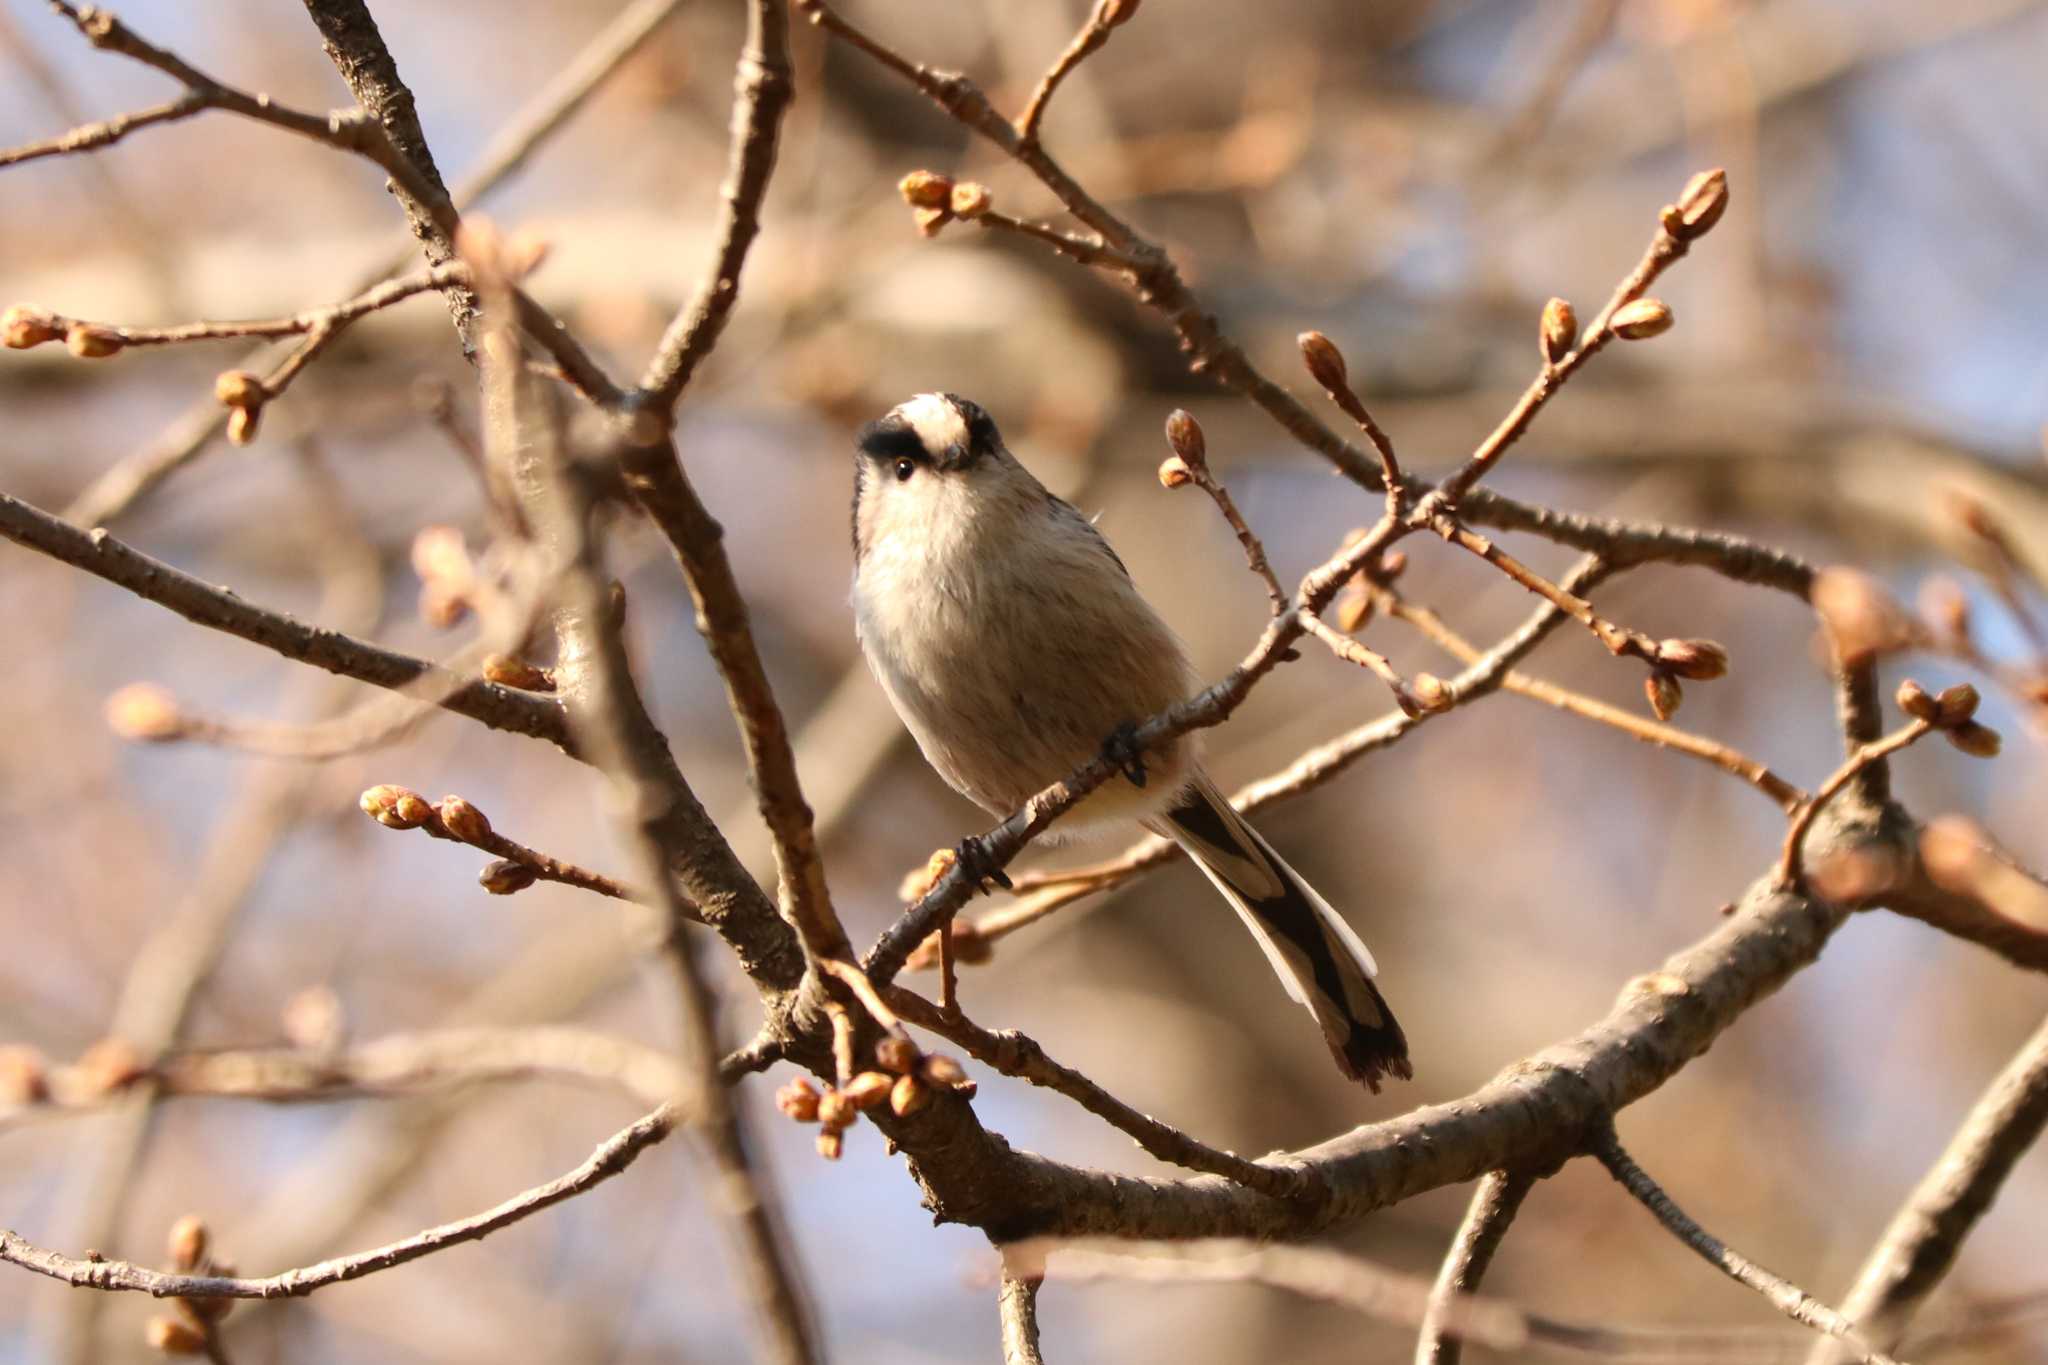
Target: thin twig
312,320
472,828
1388,1296
1786,1297
1713,751
1108,14
1494,1204
762,86
1790,872
611,1157
399,1064
1015,1054
99,554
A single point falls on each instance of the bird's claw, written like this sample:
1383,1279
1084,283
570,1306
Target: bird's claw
972,855
1121,748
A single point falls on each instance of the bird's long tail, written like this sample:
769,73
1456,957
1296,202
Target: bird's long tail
1316,954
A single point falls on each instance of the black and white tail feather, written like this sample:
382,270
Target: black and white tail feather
1324,965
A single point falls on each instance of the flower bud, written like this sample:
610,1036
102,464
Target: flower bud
187,1242
868,1089
941,1070
1325,362
1664,693
1701,204
88,342
394,807
1174,472
24,1077
1957,703
505,877
1432,692
970,199
22,327
239,389
508,671
242,423
896,1054
1978,741
463,820
1557,330
926,190
929,221
1388,567
1353,608
799,1100
835,1110
144,711
831,1145
1914,700
1699,660
176,1337
1641,320
1185,438
908,1095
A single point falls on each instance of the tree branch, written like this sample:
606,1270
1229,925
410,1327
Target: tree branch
1925,1235
99,554
1494,1204
1786,1297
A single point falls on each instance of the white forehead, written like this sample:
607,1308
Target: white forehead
936,421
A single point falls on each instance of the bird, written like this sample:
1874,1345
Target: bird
1015,647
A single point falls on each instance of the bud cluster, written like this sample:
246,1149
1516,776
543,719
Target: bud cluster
1697,660
191,1332
905,1081
23,326
1189,462
936,200
243,395
1700,205
1951,711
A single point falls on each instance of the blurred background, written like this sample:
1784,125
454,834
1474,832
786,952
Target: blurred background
1864,332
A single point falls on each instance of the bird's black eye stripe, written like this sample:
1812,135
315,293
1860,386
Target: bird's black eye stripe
892,439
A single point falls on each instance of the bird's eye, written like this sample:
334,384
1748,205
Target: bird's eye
905,467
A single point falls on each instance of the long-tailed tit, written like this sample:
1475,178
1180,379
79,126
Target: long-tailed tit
1015,647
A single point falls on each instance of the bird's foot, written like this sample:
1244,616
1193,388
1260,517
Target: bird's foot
1121,748
973,857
